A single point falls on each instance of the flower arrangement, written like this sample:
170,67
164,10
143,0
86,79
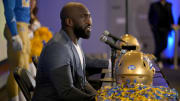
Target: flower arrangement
41,36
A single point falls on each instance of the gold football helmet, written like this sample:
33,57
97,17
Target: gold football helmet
129,41
134,67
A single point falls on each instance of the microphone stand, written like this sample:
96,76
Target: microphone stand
127,19
113,58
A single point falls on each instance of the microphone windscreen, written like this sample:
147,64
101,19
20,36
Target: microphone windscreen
106,33
103,38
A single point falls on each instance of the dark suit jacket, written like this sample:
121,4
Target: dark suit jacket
59,74
160,16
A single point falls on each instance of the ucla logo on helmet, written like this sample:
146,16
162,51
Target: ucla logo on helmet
131,67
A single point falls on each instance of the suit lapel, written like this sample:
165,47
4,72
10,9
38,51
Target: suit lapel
62,36
84,63
77,60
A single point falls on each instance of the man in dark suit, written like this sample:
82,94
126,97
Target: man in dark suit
161,21
61,68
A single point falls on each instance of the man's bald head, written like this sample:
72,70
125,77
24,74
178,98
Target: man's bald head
76,19
69,10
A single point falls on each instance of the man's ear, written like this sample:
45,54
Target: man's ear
69,22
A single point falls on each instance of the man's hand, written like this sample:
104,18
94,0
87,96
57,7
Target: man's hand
17,43
175,27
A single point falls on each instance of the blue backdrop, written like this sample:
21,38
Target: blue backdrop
169,52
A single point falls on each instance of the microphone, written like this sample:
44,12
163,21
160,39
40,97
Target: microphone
103,38
107,33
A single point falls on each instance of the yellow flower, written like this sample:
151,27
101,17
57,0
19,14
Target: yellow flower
36,46
40,35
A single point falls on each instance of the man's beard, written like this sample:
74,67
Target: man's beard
81,33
